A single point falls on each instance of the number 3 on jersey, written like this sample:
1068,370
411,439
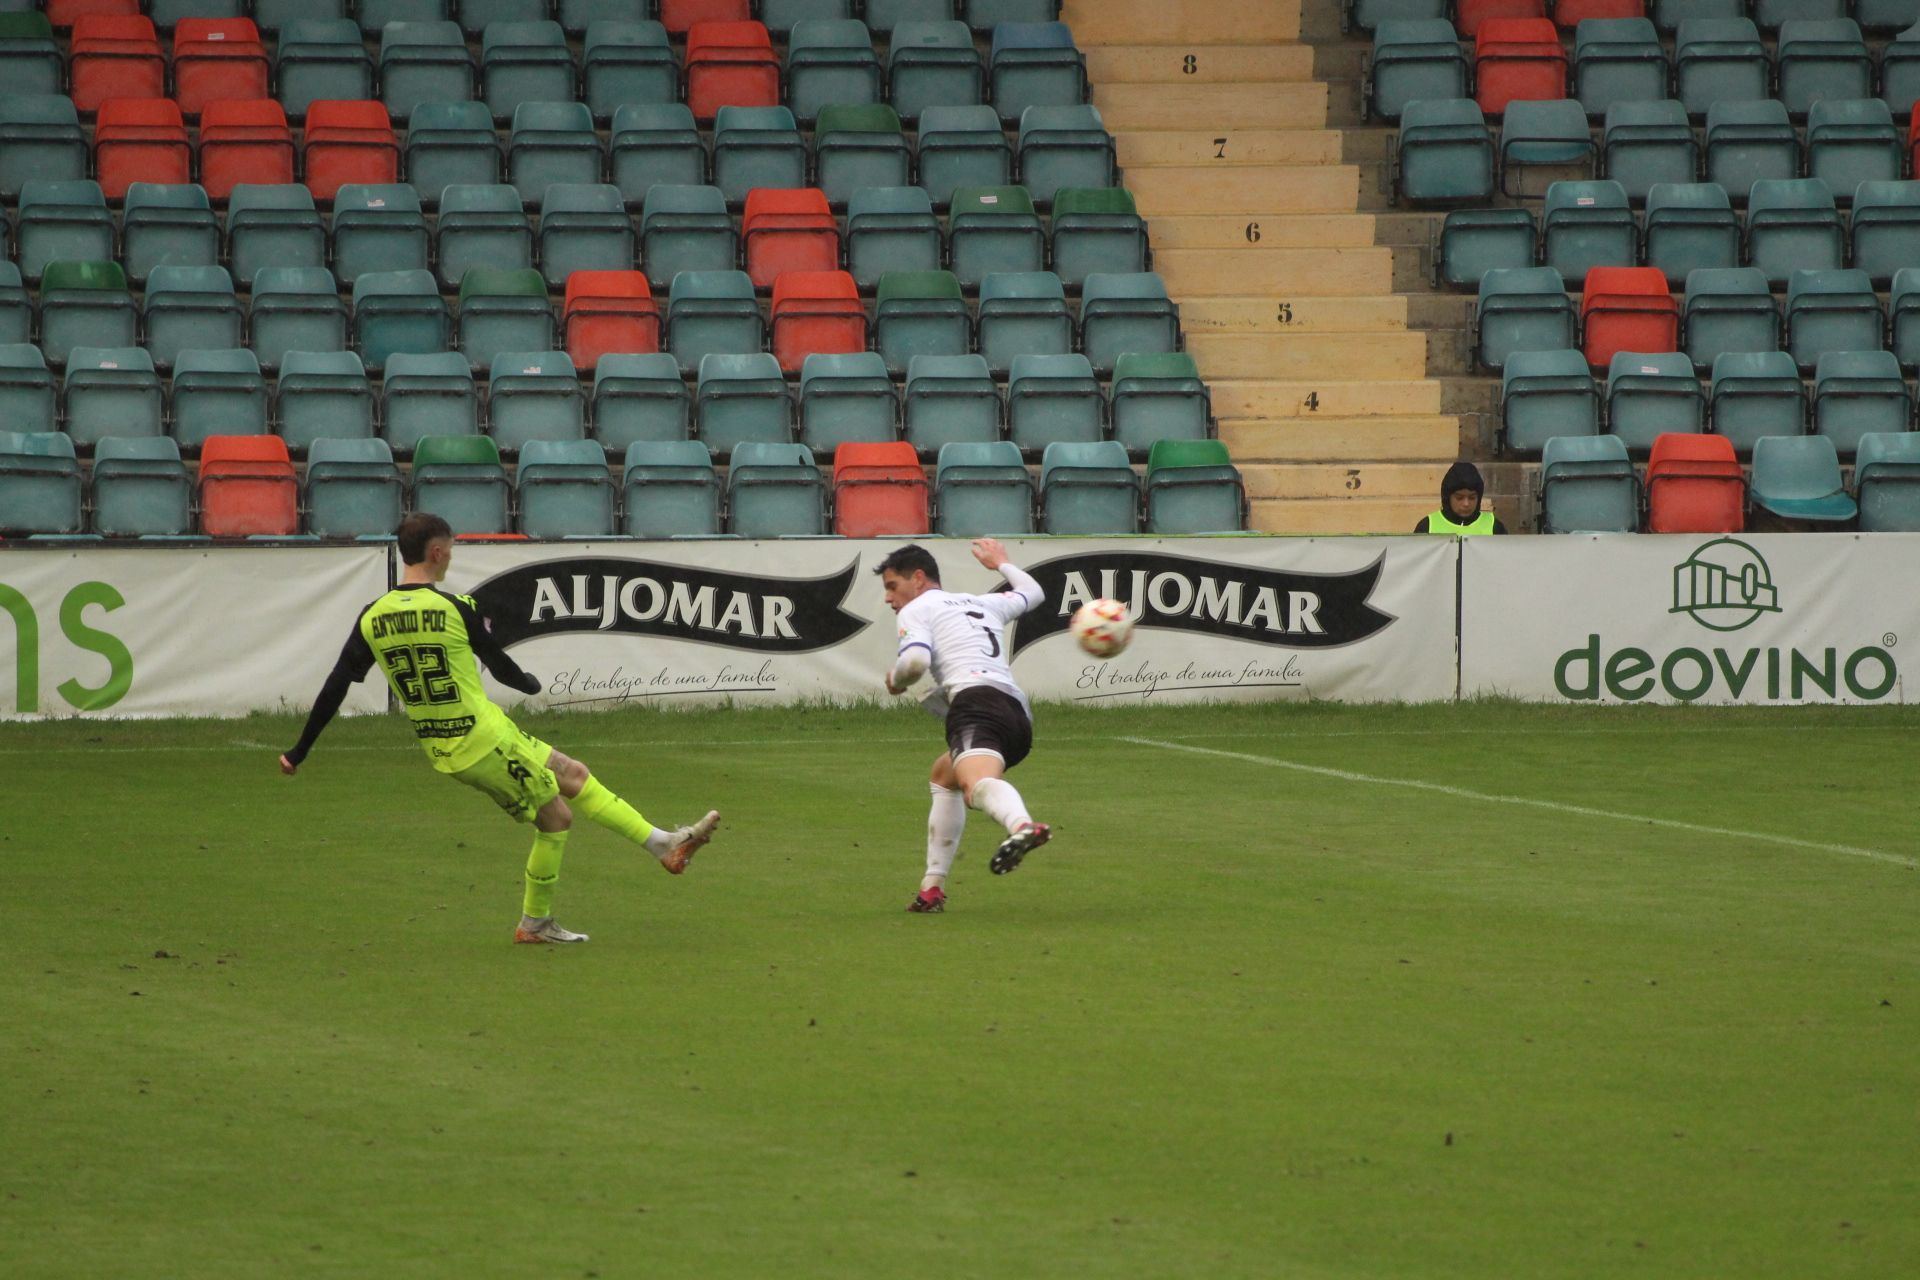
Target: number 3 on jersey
421,673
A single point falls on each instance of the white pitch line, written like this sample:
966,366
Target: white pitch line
1554,806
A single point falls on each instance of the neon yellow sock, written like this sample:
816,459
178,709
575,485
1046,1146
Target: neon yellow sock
543,869
600,805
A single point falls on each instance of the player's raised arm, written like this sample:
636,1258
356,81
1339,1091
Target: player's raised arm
355,660
992,555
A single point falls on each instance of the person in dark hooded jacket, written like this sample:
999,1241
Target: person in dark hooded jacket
1459,513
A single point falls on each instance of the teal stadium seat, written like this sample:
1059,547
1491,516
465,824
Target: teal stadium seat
933,64
775,491
712,312
1616,60
427,394
1690,225
1851,141
1756,394
353,489
1476,241
584,227
62,221
757,147
167,226
1822,58
1544,395
1550,134
451,144
218,393
477,15
686,229
1719,60
920,313
552,143
950,400
374,15
1159,396
1899,67
859,146
781,16
422,62
1651,394
460,479
191,307
887,15
1022,313
1445,152
1903,315
16,307
1587,486
1126,312
503,311
640,398
982,489
480,227
654,143
741,399
1886,477
962,147
1193,487
39,484
1884,232
1065,146
565,490
1096,229
40,137
29,394
524,62
534,395
111,391
830,61
1798,478
1793,225
847,398
1088,489
323,59
398,312
1644,143
84,304
669,489
296,309
891,229
1415,60
1831,311
30,59
1053,399
1748,142
992,230
1588,224
141,488
1034,64
625,60
322,395
377,227
1857,393
1727,309
273,226
1521,309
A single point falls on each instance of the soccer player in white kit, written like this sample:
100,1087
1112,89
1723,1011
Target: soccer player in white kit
961,640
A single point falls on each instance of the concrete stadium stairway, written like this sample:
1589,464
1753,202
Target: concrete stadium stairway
1241,144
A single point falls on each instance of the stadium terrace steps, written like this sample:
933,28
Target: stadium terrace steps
1272,228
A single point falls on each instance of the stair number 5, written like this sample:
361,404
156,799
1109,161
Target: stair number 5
1285,314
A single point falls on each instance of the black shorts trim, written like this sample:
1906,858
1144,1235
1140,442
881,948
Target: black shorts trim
982,718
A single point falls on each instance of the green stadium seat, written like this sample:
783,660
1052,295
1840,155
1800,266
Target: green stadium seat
1831,311
1587,224
757,147
1159,397
1587,486
686,229
1822,59
353,489
860,146
1886,478
1651,394
933,64
847,398
40,137
296,309
191,307
1126,312
1798,478
141,488
431,394
982,490
1756,394
377,227
741,398
584,227
503,311
30,58
669,489
111,391
920,313
322,395
460,479
655,143
524,62
1193,487
775,491
639,398
962,147
1546,394
1415,60
274,226
1851,141
830,62
950,399
534,395
1066,146
421,62
218,393
451,144
712,312
1476,241
626,60
1022,313
1718,60
29,394
319,59
1690,225
1054,398
62,221
891,229
84,304
1445,152
171,226
1793,225
1096,229
480,227
1856,393
39,483
1648,142
565,490
1615,60
552,143
1728,309
398,311
1088,489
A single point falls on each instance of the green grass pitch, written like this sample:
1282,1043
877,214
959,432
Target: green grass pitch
1482,991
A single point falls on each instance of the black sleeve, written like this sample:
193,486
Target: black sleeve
1422,526
1497,526
488,650
355,660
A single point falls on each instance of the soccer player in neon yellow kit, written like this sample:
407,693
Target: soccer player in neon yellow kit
426,641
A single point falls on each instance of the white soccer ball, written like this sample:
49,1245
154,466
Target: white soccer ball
1102,627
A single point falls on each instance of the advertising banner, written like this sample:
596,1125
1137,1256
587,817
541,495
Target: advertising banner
611,624
203,631
1750,619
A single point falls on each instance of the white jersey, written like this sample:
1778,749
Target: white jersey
965,636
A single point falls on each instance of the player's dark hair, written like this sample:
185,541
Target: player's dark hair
416,531
907,559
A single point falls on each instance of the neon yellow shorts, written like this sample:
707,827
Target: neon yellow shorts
515,775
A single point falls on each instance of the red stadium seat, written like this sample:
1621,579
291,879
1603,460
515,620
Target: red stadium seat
816,311
1569,14
1472,13
1627,309
64,13
349,142
607,313
730,64
115,57
246,141
679,16
1694,485
1518,58
140,140
879,491
217,60
247,487
788,231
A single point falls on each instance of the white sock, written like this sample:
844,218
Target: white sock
946,820
997,798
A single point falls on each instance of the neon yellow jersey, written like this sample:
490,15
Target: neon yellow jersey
424,641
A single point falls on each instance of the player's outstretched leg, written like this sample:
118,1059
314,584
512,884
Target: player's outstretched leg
674,848
946,821
999,800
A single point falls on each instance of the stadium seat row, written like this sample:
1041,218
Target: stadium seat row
535,396
1694,484
1667,15
248,487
